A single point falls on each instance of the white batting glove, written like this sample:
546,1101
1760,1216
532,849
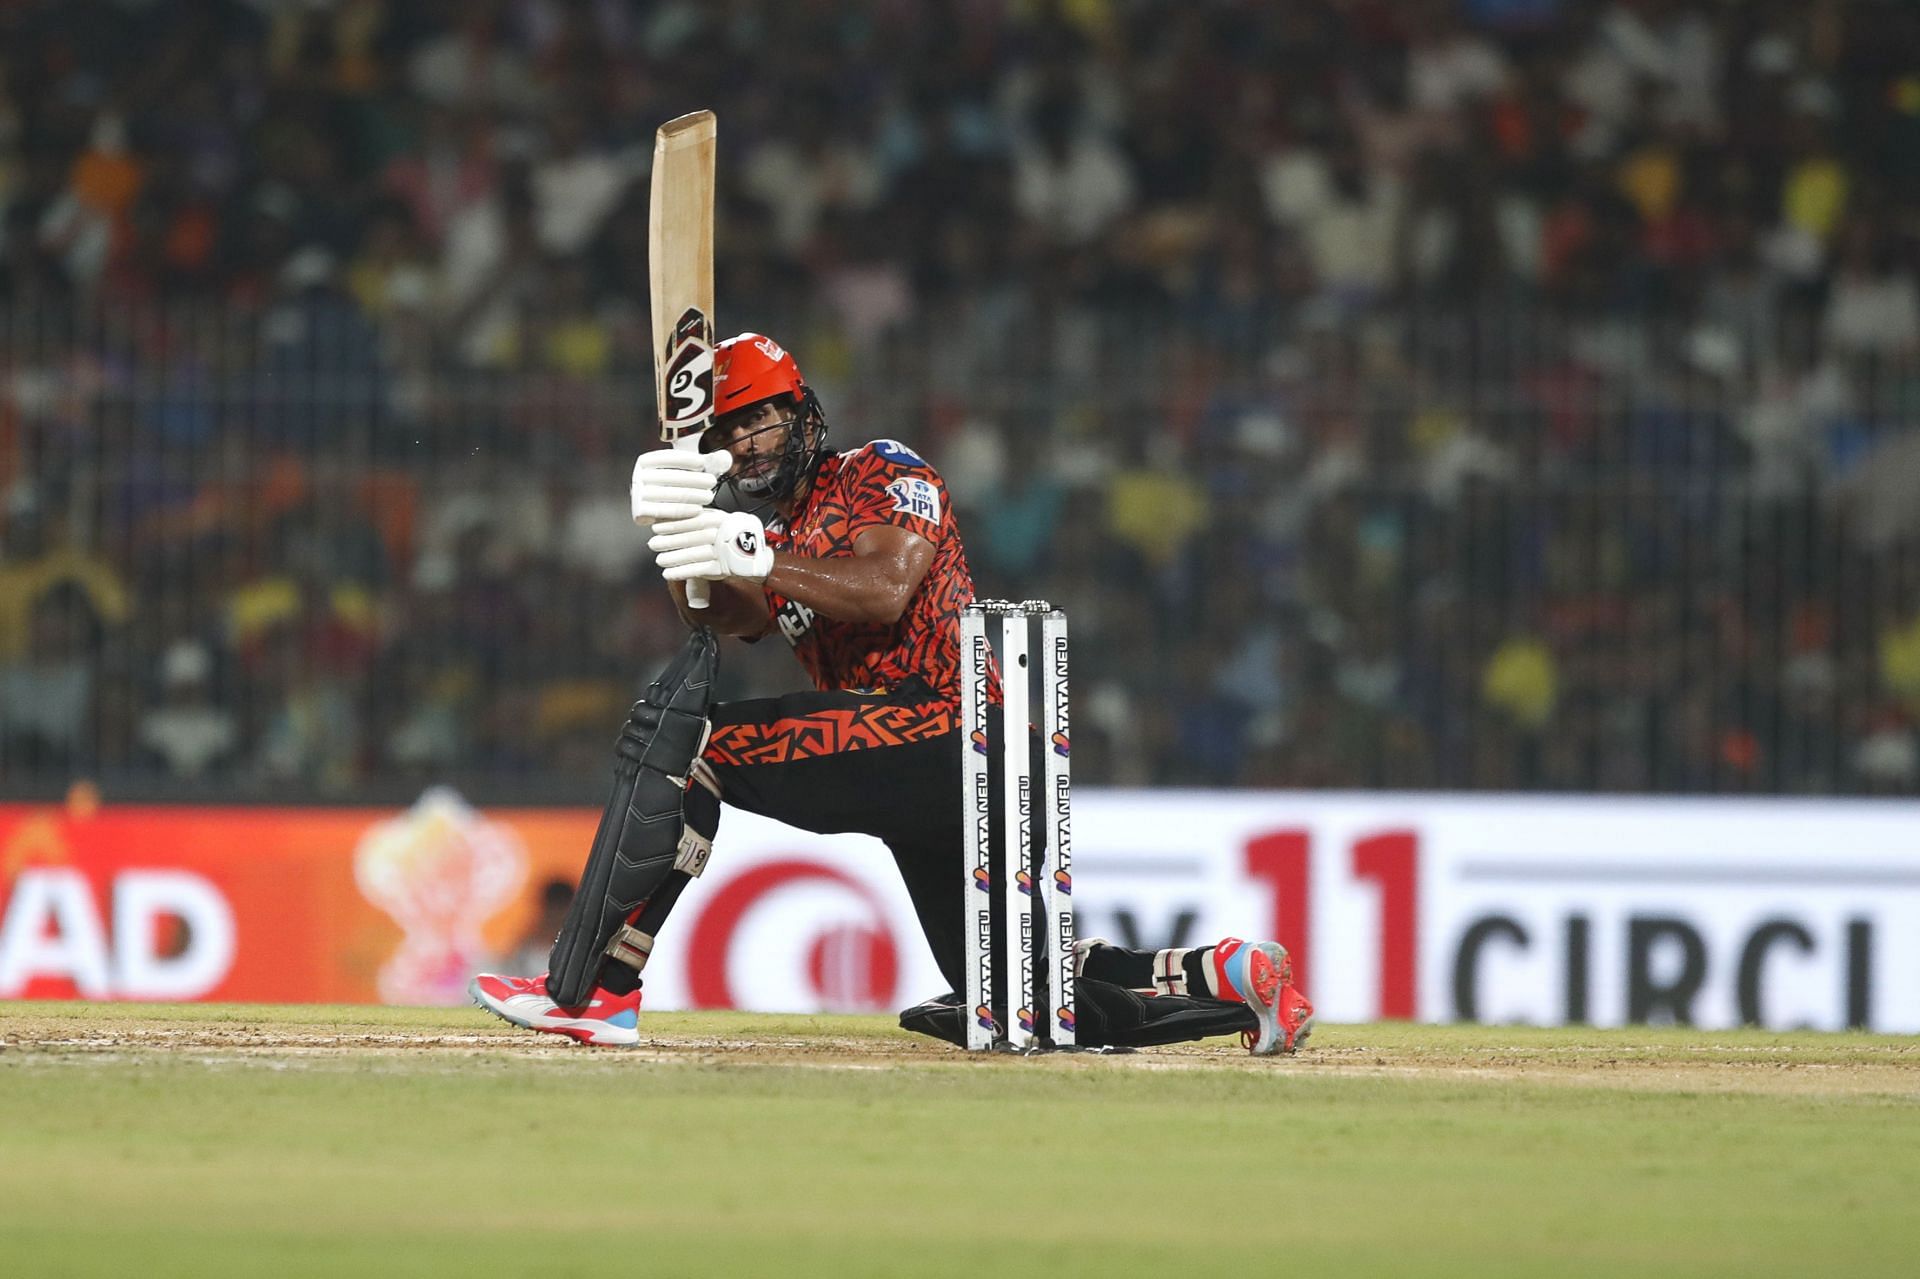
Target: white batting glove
712,545
675,484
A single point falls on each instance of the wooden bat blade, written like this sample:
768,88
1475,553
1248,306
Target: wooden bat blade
680,265
693,123
680,227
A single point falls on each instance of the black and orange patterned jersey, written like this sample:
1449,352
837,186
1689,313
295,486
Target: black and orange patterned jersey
883,482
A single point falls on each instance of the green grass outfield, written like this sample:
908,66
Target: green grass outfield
208,1140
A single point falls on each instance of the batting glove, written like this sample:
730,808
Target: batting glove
675,484
712,544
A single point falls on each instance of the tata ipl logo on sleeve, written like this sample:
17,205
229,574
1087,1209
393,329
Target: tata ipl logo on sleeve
441,870
916,497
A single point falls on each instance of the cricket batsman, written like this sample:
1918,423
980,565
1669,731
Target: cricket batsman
855,560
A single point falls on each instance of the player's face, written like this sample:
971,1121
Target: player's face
756,436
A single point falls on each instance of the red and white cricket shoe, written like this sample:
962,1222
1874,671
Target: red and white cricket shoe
606,1018
1260,975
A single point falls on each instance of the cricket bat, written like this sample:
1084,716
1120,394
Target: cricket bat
680,259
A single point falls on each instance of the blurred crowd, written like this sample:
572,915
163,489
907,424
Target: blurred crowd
1502,394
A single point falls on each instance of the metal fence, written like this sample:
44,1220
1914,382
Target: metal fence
290,551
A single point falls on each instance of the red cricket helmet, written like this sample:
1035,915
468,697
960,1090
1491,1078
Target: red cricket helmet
750,368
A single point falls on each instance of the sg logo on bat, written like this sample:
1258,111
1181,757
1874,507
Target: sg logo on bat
688,382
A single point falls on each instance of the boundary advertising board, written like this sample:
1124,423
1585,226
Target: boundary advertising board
1500,909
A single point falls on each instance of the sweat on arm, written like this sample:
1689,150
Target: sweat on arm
874,584
869,574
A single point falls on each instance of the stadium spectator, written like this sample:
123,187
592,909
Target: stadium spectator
188,733
1525,389
47,690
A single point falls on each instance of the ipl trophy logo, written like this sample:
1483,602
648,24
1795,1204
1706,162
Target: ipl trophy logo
440,869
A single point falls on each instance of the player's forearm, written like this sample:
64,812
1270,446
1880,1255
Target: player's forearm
859,588
733,608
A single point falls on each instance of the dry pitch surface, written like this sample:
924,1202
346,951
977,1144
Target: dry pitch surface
242,1140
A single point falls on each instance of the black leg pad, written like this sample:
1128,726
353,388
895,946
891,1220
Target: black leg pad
639,838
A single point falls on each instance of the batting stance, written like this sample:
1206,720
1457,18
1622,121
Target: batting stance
855,560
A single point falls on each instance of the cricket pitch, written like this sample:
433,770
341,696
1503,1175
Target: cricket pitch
207,1139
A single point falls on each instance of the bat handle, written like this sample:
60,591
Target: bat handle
697,593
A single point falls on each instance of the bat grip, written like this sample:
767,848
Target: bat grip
697,594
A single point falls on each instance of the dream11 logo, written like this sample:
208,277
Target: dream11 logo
802,919
1670,948
1390,861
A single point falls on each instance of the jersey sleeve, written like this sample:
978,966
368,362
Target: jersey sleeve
891,484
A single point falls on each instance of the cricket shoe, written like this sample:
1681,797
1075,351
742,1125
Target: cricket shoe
1260,975
605,1018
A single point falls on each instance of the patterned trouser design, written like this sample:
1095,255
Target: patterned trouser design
829,730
